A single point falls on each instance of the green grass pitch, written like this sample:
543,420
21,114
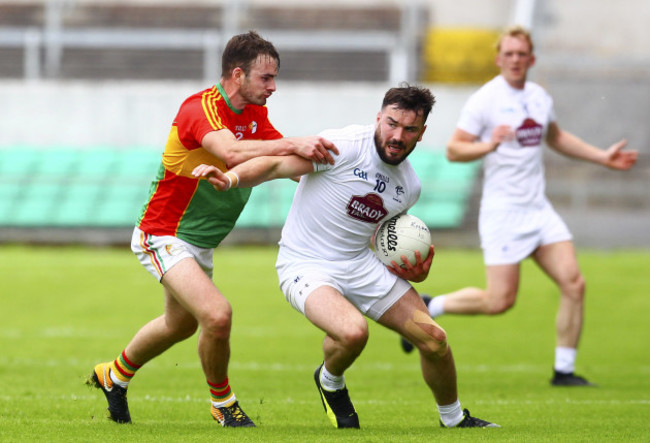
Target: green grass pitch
63,309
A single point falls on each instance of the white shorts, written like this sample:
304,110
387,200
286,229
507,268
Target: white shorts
509,236
364,281
159,253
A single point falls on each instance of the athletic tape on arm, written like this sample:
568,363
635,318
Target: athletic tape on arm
233,179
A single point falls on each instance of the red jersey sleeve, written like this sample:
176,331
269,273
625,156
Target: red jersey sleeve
196,117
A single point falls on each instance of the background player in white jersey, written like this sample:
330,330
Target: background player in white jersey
325,266
505,122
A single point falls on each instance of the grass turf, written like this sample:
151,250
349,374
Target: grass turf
66,308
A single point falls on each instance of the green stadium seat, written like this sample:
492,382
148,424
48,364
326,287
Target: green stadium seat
446,188
16,162
128,186
137,163
96,162
281,198
77,205
10,195
121,204
257,210
116,214
55,164
439,214
37,204
69,187
268,205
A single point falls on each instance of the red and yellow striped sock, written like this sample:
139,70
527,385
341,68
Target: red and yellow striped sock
221,394
123,369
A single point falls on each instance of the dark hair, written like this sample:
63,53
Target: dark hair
243,49
410,98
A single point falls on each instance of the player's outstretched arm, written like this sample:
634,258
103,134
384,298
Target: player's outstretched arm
255,171
224,145
416,273
570,145
619,159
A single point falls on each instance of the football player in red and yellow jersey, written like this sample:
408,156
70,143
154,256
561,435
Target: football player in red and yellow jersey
184,219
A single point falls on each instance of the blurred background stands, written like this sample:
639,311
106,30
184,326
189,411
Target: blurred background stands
592,57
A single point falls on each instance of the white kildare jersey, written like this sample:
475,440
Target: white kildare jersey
337,208
514,173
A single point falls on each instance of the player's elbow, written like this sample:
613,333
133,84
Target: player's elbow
232,159
453,154
556,138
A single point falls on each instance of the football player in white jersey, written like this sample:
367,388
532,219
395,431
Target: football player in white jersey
506,122
326,268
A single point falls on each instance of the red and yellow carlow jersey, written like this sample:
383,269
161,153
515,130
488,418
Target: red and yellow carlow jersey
191,209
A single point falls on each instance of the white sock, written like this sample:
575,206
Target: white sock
223,404
331,382
117,381
565,359
435,306
451,415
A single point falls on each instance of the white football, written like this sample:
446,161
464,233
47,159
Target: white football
402,235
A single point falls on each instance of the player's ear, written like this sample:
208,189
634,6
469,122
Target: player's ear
238,75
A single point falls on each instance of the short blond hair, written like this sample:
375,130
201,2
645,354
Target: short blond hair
515,31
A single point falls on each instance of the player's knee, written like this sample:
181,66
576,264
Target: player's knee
436,345
426,334
500,307
574,288
354,337
500,303
217,323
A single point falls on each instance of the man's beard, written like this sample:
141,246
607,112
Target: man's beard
250,98
382,154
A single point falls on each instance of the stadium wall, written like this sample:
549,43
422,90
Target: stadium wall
120,114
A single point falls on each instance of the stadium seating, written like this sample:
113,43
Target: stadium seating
446,189
64,187
105,187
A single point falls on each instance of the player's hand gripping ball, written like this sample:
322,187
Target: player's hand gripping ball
402,235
